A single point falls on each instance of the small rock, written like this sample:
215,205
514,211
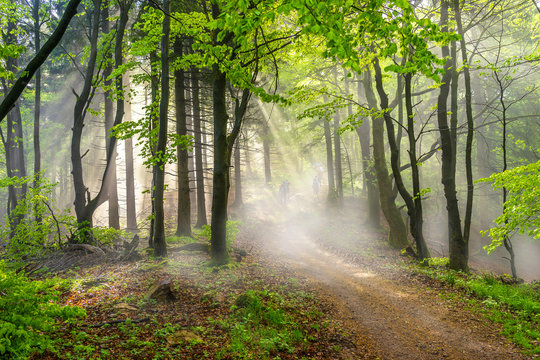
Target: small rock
182,336
161,291
124,308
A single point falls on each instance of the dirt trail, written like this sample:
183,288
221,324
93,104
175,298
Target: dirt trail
390,319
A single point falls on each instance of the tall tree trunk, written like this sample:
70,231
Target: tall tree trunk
37,102
470,127
183,227
414,206
160,246
110,180
398,230
83,208
131,210
20,84
507,241
238,202
153,124
329,162
337,154
417,220
266,153
199,169
13,144
370,179
458,248
221,184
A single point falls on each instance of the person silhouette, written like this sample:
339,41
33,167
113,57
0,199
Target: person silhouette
284,192
316,186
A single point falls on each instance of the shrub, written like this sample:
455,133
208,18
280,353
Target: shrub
29,314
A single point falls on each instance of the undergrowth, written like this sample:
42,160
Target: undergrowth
515,306
30,314
264,323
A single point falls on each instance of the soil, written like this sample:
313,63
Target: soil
389,312
374,305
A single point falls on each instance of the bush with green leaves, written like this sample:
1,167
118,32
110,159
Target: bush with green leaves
232,228
30,313
32,237
259,326
522,207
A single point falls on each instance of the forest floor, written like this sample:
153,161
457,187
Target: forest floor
315,284
390,311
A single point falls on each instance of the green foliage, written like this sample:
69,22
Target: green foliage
232,229
259,326
438,261
30,237
515,306
522,207
30,313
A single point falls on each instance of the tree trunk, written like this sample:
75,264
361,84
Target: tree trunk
238,202
417,220
160,246
183,227
458,248
83,210
110,180
266,153
11,97
131,210
398,230
414,207
13,144
220,193
470,127
337,153
37,102
199,170
370,180
153,124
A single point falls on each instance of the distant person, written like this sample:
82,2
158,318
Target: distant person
316,186
284,192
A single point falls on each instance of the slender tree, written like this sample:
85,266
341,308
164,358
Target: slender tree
183,226
160,246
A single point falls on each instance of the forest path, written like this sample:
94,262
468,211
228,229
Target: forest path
390,315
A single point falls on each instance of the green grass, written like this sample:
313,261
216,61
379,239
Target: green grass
263,323
515,306
30,314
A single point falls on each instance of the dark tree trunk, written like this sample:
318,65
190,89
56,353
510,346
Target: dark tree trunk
160,246
337,153
199,170
84,207
458,247
370,180
13,143
238,202
266,153
398,230
153,124
131,210
183,225
329,162
507,241
220,193
470,127
37,102
417,219
110,180
11,97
